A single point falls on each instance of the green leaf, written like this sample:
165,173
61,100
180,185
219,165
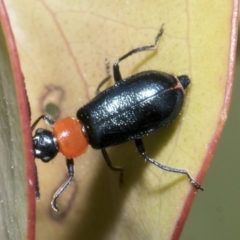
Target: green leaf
17,198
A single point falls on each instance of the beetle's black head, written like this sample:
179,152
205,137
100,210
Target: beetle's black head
184,80
44,145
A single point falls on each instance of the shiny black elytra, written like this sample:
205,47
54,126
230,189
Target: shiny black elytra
131,108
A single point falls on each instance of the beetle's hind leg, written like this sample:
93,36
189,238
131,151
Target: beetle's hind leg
116,71
106,79
114,168
141,150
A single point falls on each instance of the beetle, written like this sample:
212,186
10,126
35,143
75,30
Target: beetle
131,108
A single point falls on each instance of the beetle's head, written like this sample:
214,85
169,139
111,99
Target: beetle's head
44,145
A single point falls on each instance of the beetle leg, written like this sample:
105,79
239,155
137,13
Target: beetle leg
114,168
116,71
70,167
107,78
50,122
141,150
37,191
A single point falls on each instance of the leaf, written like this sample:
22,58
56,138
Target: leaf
62,48
17,204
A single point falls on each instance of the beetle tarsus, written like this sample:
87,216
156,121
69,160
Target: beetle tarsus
141,150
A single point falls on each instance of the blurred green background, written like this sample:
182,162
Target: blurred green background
216,211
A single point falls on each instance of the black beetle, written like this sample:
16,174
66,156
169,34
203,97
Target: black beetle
131,108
